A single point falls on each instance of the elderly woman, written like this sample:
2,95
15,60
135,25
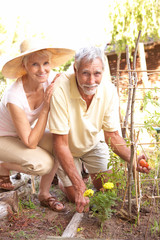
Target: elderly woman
25,146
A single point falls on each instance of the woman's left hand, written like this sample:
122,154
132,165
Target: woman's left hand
48,93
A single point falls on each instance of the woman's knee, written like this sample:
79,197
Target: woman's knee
39,167
32,161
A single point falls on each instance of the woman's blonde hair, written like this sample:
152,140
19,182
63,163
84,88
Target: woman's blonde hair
43,52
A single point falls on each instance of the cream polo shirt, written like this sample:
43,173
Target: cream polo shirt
69,114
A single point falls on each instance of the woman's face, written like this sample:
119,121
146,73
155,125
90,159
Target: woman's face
37,67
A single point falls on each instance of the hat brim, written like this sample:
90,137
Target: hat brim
13,68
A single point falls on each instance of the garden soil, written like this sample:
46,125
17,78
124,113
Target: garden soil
39,223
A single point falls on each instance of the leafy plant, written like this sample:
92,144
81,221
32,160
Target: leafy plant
128,17
118,175
102,201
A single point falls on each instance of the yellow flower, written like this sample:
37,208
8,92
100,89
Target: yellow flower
79,229
88,193
108,185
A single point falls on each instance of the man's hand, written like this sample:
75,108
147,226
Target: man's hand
140,168
82,203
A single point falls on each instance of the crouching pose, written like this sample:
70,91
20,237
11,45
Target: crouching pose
25,145
83,105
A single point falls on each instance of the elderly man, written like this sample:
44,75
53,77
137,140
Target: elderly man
83,112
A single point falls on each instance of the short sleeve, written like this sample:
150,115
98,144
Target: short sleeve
58,117
111,118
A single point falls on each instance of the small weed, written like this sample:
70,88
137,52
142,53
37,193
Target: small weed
27,204
32,216
155,228
146,203
19,235
59,229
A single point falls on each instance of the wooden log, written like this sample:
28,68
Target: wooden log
24,178
18,182
10,198
71,228
64,238
5,209
24,190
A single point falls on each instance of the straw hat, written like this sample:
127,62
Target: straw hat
14,68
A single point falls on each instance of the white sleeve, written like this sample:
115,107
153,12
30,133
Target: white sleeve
13,95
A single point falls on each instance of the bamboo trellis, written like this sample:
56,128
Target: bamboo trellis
132,87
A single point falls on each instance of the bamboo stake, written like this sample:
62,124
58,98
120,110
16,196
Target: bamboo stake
148,180
143,198
138,99
153,198
130,144
136,70
118,66
132,126
137,187
129,96
140,88
125,194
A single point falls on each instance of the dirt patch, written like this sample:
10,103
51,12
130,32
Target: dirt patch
36,222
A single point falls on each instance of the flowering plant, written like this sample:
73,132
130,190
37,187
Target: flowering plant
102,201
108,185
88,193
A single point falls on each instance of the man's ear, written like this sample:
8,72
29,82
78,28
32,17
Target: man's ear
74,68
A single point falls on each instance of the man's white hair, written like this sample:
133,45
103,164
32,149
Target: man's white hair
89,54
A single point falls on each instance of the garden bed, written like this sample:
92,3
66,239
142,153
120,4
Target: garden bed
35,222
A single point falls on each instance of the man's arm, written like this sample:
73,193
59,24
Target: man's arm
64,156
118,145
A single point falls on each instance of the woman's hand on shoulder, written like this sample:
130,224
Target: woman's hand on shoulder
55,78
48,93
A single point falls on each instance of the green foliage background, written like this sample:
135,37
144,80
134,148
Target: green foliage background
128,17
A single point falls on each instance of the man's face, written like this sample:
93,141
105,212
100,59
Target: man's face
89,76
